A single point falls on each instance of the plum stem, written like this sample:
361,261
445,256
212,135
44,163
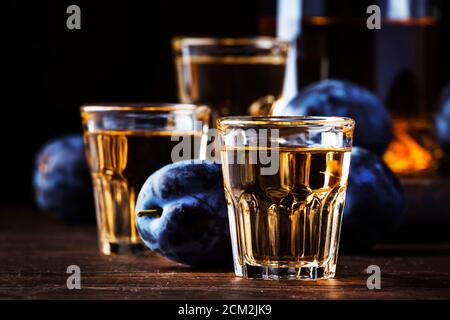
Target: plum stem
154,212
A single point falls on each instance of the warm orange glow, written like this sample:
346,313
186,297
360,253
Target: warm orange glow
406,154
328,21
320,21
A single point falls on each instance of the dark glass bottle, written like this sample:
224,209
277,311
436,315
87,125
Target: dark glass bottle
399,62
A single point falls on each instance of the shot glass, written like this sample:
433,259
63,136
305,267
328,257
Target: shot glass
124,145
233,76
285,180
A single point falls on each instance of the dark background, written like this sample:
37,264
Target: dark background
121,53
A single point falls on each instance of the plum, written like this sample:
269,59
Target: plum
339,98
375,202
182,214
61,180
442,121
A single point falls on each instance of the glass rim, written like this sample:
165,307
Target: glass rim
284,121
137,106
263,41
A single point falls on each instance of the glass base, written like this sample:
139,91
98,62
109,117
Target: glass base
121,248
285,273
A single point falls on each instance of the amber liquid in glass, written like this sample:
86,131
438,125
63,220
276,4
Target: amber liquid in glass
230,85
291,219
120,162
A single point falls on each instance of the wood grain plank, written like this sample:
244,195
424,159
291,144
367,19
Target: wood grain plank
35,251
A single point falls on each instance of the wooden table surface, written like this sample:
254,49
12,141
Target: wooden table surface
35,251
